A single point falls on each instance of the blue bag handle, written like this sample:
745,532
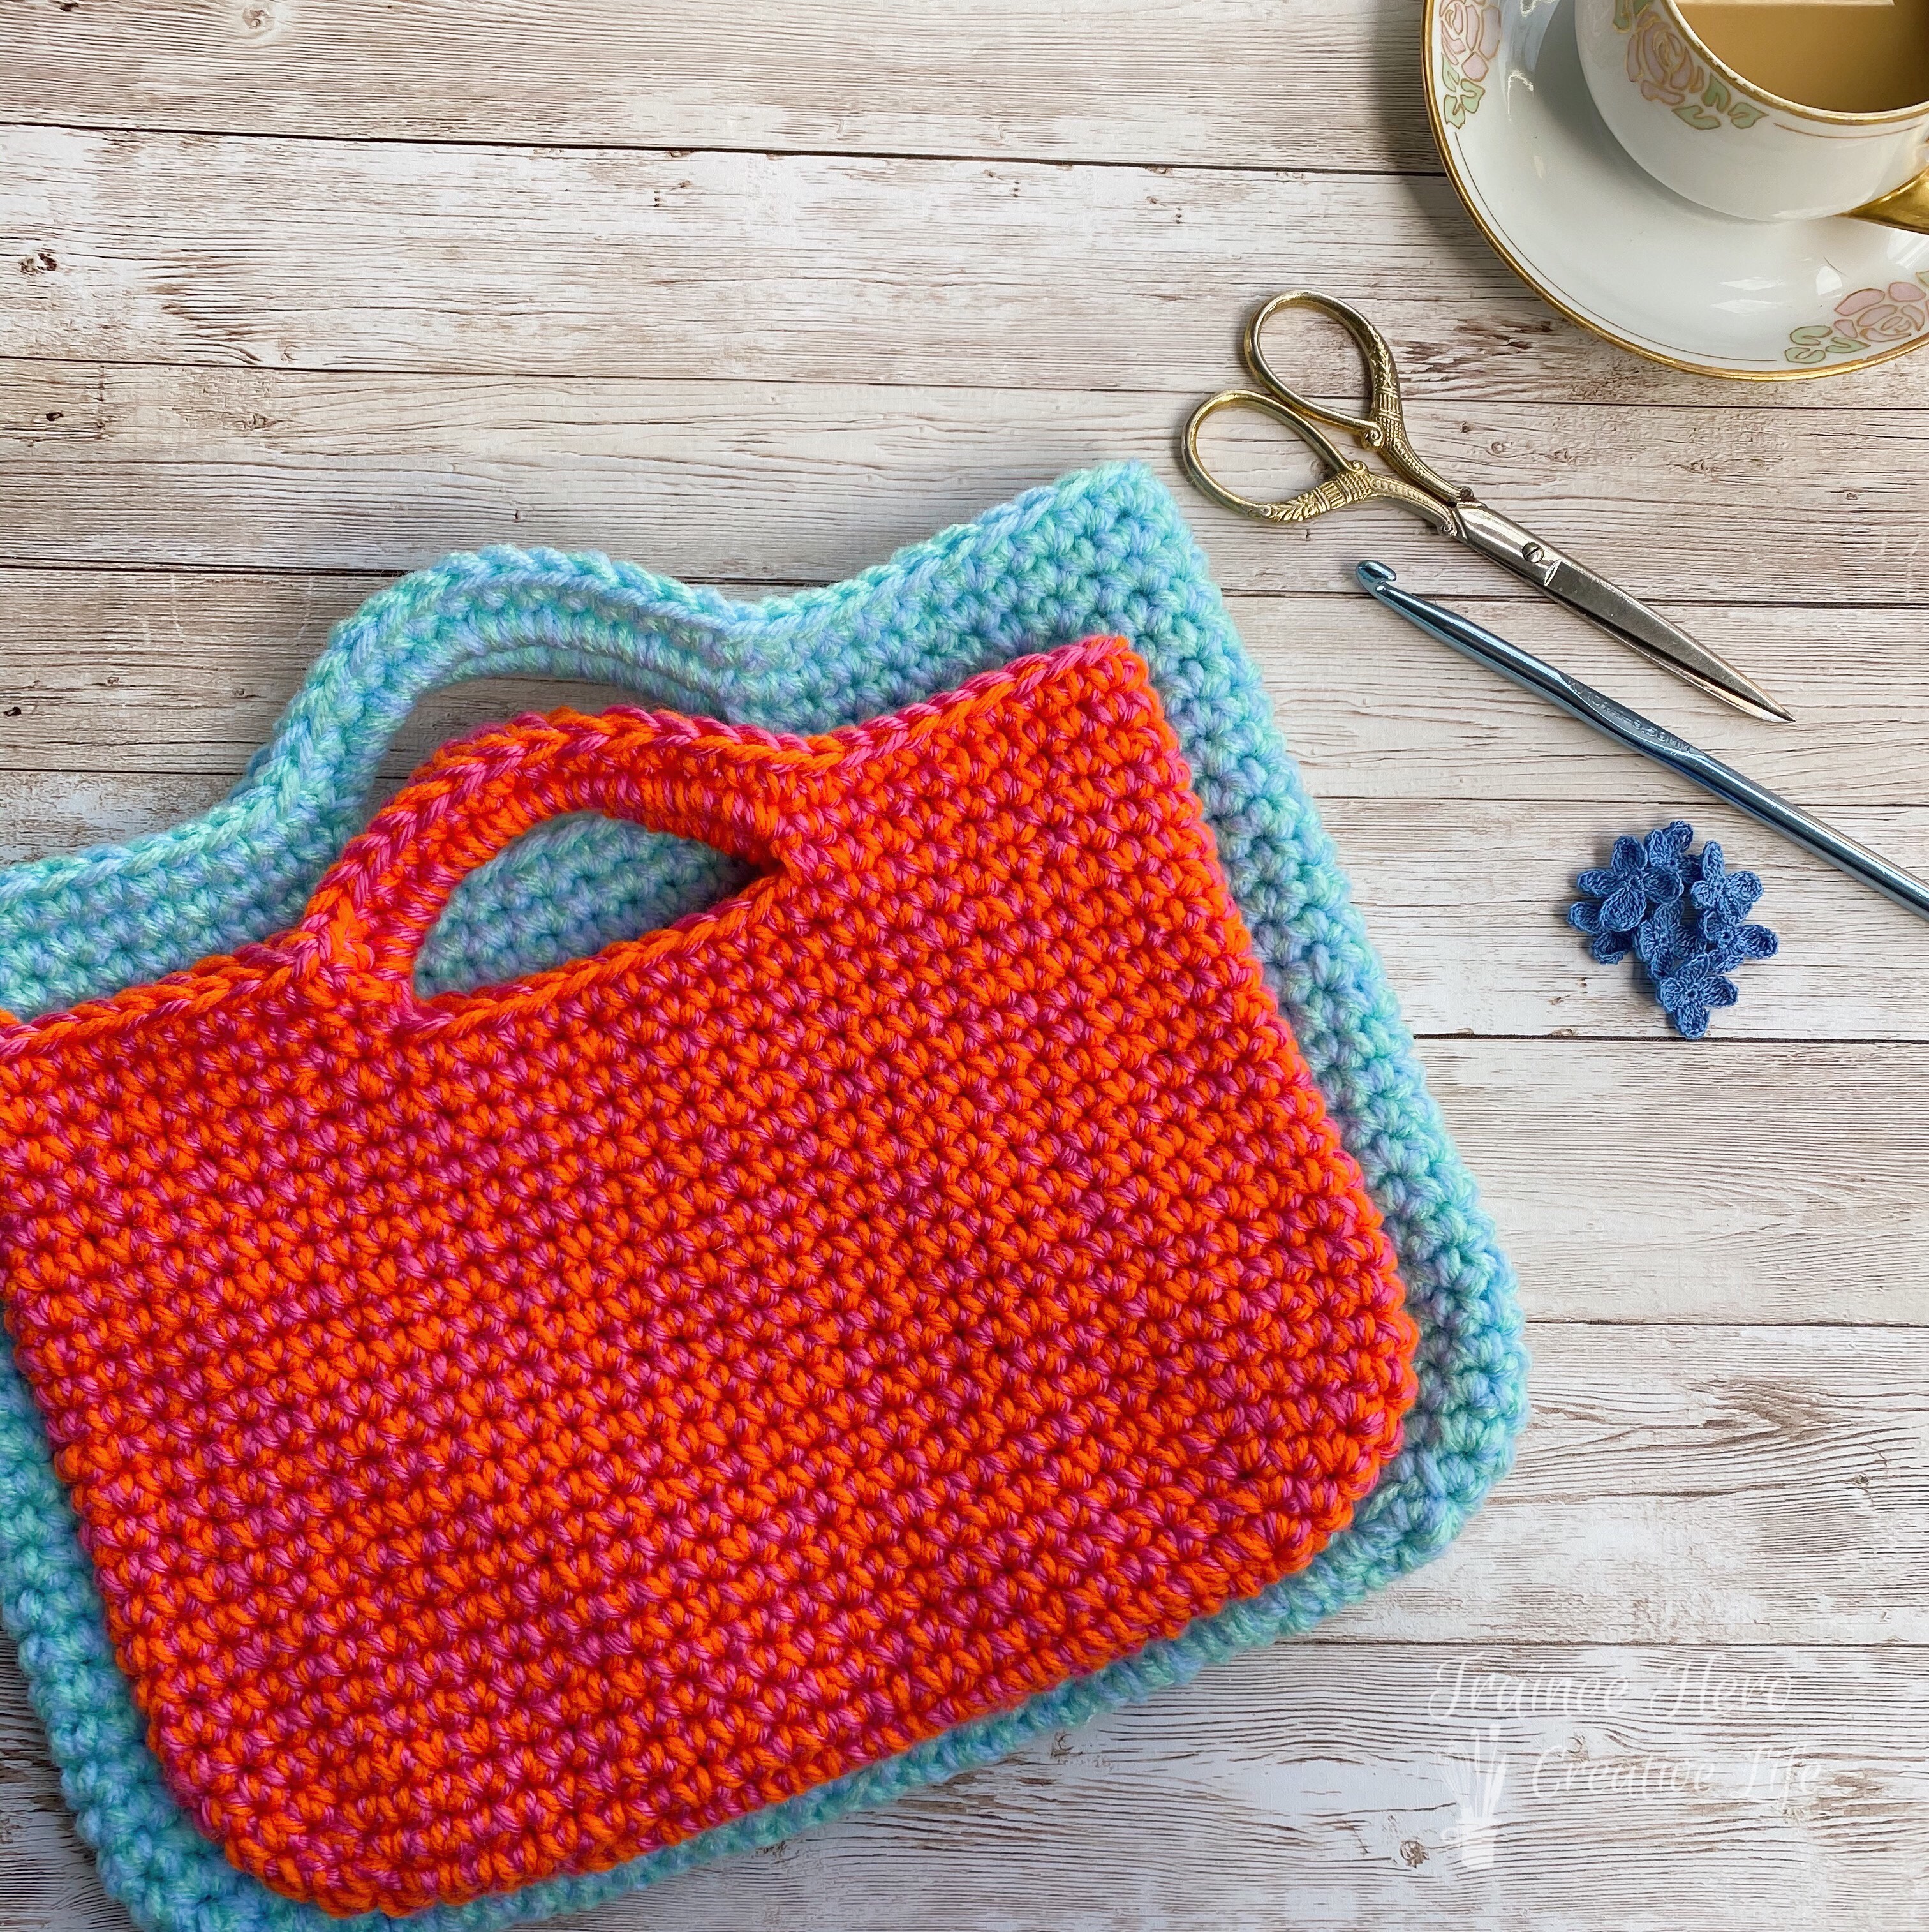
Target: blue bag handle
79,928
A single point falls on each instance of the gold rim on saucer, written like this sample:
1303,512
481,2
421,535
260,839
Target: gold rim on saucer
1431,85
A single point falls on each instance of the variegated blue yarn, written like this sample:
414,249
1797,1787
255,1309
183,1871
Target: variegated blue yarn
1105,550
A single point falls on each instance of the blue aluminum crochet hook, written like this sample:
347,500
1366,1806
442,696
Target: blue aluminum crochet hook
1642,735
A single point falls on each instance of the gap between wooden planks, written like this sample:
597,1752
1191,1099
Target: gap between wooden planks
1696,1511
1316,1786
791,481
1324,83
118,686
183,672
1635,1177
1693,1484
1289,1788
215,249
1475,947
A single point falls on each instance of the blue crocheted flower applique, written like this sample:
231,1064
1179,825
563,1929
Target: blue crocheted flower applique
1692,992
1644,876
1690,926
1666,937
1725,899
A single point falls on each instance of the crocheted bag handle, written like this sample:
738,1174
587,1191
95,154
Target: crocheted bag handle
689,777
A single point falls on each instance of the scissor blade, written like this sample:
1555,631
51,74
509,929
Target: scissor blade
1668,644
1625,617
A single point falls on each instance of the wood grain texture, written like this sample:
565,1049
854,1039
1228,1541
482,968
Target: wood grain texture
1648,1788
803,482
126,672
1743,1180
1475,947
1314,1787
1633,1177
119,686
1012,275
1229,82
1695,1484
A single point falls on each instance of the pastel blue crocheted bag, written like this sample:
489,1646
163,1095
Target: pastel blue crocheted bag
1104,550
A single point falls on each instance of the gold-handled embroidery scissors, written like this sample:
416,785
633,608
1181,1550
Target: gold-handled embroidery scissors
1455,510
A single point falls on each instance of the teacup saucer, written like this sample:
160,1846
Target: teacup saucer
1613,250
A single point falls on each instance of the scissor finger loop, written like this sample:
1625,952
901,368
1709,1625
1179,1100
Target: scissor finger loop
1347,482
1380,373
1383,428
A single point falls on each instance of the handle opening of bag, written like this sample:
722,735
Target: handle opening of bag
375,909
506,921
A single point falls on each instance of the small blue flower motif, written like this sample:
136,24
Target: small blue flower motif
1739,944
1723,898
1643,873
1691,928
1693,991
1609,948
1666,937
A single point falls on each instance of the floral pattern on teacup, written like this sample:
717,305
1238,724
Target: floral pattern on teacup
1662,64
1469,40
1867,319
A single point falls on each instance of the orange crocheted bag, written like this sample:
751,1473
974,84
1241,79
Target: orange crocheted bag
519,1430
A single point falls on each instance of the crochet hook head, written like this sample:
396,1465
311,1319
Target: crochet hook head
1480,643
1473,640
1616,721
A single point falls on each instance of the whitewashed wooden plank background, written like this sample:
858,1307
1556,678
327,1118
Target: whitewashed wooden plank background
295,295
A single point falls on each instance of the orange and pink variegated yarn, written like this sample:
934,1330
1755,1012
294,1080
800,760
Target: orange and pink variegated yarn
518,1431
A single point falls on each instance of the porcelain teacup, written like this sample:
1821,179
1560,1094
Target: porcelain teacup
1717,139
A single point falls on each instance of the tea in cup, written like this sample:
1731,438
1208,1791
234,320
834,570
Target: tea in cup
1772,110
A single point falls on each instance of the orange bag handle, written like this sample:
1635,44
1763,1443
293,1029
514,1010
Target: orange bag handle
728,786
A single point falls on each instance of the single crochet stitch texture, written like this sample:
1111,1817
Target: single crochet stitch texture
1104,551
521,1432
